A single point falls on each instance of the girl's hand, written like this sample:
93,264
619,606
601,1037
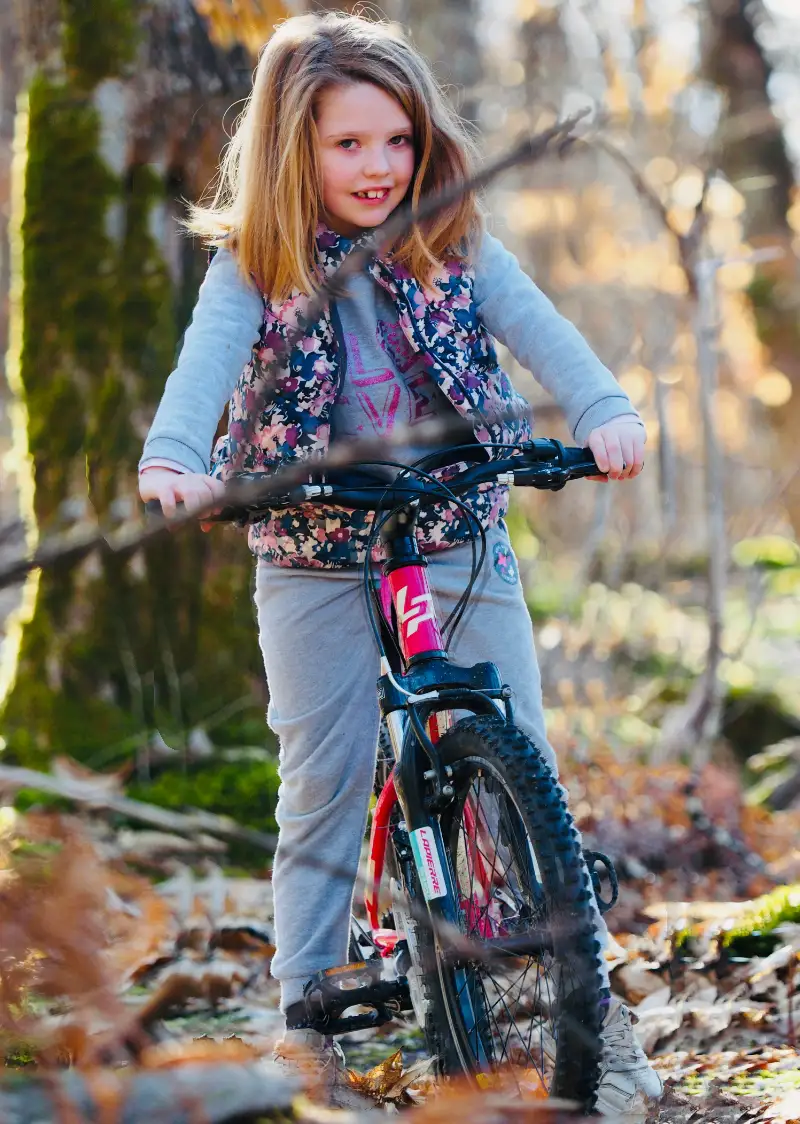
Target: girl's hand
618,448
170,487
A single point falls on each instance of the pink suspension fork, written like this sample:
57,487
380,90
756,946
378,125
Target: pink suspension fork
378,838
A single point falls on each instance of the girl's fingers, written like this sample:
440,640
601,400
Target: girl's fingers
198,494
618,450
615,457
628,456
632,444
196,498
597,445
168,500
638,452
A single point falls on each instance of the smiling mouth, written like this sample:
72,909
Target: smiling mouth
374,193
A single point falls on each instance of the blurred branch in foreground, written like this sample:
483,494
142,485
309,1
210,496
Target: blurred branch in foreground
77,546
526,151
61,550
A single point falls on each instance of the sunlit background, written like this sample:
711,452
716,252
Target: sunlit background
667,609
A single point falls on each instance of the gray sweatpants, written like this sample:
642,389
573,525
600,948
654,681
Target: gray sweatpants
322,665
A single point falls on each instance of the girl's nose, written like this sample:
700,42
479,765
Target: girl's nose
376,161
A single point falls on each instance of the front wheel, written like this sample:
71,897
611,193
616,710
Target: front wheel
517,868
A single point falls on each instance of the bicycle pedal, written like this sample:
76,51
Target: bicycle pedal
330,994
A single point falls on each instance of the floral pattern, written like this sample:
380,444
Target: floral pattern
293,416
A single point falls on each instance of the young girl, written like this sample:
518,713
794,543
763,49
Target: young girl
345,123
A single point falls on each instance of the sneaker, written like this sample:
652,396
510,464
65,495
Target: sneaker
627,1080
320,1061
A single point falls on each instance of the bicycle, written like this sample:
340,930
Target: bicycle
490,938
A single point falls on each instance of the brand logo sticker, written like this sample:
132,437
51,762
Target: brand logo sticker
427,862
420,609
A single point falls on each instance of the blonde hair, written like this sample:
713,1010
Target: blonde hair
267,196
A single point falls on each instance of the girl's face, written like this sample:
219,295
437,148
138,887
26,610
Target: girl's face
366,149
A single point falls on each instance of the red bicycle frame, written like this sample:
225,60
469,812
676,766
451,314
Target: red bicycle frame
406,599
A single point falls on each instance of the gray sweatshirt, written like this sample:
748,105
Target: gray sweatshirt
227,321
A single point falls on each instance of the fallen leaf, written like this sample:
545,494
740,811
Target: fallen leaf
786,1110
378,1081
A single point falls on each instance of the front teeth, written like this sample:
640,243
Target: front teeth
371,194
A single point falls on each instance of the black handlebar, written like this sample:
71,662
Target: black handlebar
542,463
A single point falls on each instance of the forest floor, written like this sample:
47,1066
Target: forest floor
172,976
151,952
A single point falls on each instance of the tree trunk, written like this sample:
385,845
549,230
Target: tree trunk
12,436
125,102
754,157
446,34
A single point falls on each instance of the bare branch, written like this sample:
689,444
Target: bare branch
75,546
526,151
62,550
100,796
404,219
645,190
689,243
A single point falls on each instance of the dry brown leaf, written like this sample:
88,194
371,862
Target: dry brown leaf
150,941
786,1110
377,1082
409,1081
55,926
243,935
209,980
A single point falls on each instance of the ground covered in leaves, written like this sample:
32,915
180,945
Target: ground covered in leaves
134,957
121,975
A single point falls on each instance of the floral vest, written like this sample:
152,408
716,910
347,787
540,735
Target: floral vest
294,424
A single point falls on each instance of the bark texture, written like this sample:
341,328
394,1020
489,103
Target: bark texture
125,104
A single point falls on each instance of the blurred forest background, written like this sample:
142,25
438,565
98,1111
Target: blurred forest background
667,609
668,612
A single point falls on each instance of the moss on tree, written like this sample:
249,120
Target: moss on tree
163,638
99,39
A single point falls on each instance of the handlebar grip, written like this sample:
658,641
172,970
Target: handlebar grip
153,507
581,462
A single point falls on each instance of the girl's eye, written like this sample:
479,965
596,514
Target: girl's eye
345,144
400,139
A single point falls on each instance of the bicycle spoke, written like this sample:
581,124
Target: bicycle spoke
510,986
513,1025
511,1008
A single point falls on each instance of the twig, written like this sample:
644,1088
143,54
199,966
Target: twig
77,545
645,190
14,777
689,243
406,218
401,222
